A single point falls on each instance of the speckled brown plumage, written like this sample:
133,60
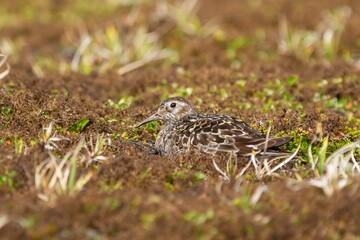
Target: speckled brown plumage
184,129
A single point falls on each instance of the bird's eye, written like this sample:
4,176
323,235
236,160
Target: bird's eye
172,105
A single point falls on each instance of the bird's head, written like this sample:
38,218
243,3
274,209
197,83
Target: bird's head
170,110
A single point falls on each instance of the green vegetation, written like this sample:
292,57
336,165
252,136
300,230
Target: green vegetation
19,145
8,180
199,177
233,47
7,114
175,89
58,176
143,174
6,111
248,198
153,126
198,218
79,126
323,42
122,104
170,180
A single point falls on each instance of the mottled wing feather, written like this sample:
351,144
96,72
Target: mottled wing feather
213,133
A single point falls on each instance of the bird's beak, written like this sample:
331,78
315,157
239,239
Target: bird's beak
154,117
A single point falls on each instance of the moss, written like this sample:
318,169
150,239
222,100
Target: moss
300,137
336,145
352,133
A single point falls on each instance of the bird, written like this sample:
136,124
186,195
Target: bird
185,130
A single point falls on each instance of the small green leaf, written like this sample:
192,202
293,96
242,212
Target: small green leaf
199,176
116,136
198,217
8,179
322,156
6,111
241,83
79,126
152,126
28,223
169,186
292,80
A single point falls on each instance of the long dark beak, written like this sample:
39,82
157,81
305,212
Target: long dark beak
154,117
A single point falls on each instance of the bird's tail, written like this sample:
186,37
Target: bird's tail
273,149
279,141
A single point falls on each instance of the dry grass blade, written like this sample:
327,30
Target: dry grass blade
4,219
151,57
263,166
95,151
57,176
346,151
339,170
49,139
182,16
110,47
223,174
255,197
85,41
332,180
3,62
231,169
324,41
133,45
281,164
36,68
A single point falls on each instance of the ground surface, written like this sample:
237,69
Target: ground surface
230,64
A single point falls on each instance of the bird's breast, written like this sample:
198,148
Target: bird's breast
166,142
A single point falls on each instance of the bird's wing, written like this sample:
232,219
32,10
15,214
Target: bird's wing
222,133
200,133
213,133
252,140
